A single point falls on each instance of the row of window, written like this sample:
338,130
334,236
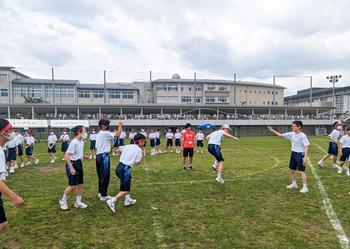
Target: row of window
216,99
4,93
259,92
255,103
99,94
37,92
175,88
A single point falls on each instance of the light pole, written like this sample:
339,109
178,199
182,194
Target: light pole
333,79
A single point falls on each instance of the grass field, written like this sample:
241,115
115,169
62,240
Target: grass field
177,209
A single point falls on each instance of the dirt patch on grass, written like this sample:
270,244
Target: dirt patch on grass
50,169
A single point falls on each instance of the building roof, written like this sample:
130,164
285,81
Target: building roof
111,86
8,68
323,91
45,81
215,81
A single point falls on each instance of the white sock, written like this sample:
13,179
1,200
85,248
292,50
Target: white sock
294,182
114,199
219,174
78,200
127,197
304,185
64,198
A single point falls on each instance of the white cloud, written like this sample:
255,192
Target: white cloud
255,39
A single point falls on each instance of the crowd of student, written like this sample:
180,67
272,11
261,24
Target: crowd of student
105,143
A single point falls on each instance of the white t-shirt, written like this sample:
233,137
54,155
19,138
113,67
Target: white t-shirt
178,135
52,139
169,135
216,137
131,154
335,134
132,135
76,150
12,144
29,140
103,141
144,133
64,137
92,136
19,139
122,135
2,164
157,134
200,136
345,141
152,135
299,141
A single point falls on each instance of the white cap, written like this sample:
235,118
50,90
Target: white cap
142,130
225,126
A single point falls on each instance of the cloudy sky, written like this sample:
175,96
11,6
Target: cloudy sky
254,38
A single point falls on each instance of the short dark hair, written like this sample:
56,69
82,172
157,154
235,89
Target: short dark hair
77,129
139,137
348,129
4,124
188,125
298,123
335,123
104,122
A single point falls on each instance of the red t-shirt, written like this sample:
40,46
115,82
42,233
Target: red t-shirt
188,139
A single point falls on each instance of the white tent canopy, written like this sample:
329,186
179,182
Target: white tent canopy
28,123
68,123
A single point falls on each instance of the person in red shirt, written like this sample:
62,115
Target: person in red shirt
188,138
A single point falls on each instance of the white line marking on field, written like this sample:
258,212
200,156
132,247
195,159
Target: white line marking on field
158,230
332,216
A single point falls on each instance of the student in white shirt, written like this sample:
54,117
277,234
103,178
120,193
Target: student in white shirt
158,151
214,141
29,146
199,138
300,149
130,155
131,136
143,132
74,168
333,146
103,148
178,136
19,144
64,138
152,140
92,139
51,143
344,147
12,154
6,134
122,137
169,140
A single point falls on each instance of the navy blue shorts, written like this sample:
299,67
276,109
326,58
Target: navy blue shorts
333,149
64,146
169,142
121,141
157,141
20,150
29,150
296,161
92,144
2,212
123,172
116,142
200,143
52,148
177,142
345,154
11,154
215,150
153,142
78,178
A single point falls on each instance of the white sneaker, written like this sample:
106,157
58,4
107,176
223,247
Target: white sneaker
348,172
81,205
152,154
334,166
292,186
22,165
94,157
16,166
36,162
171,151
105,198
62,159
340,170
219,180
52,161
320,164
304,190
63,205
28,163
99,195
111,204
129,202
90,157
12,170
214,167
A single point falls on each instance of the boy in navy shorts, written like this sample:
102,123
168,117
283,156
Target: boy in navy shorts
130,155
344,147
74,168
300,148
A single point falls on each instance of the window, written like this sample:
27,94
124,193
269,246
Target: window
211,87
199,87
222,99
198,99
84,94
98,94
114,95
67,91
186,88
4,93
3,79
48,91
186,99
210,99
172,87
34,91
19,91
128,95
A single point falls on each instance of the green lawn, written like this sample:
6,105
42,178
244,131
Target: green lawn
177,209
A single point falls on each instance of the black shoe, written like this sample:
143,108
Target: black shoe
190,167
185,168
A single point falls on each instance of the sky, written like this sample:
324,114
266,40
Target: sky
255,39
